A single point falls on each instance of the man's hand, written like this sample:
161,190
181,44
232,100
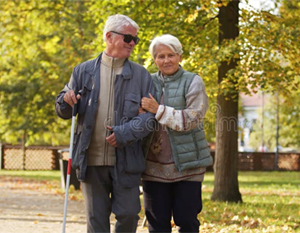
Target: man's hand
111,139
150,104
70,98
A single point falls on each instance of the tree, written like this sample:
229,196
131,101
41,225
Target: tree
265,40
46,39
41,42
225,166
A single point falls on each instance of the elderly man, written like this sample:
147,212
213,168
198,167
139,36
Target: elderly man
107,150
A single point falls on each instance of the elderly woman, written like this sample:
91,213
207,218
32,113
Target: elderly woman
177,151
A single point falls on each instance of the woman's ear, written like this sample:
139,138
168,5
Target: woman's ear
180,58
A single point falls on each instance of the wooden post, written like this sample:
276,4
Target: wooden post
1,156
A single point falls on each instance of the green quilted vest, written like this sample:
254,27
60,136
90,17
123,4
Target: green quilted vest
189,148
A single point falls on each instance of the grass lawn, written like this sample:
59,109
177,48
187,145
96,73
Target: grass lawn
271,201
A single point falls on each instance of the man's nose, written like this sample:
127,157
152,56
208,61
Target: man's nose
132,43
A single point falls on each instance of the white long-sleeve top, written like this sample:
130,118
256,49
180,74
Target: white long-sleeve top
189,118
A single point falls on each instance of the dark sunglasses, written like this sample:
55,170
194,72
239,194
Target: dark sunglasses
128,38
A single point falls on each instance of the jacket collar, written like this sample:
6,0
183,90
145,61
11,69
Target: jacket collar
112,61
126,72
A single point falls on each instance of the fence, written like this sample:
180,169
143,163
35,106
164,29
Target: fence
47,158
29,158
265,161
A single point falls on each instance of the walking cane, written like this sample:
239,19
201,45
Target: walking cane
74,112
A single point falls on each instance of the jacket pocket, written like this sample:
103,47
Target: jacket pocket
131,105
76,152
134,158
185,147
85,95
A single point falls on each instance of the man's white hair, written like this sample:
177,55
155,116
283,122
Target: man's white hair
117,22
168,40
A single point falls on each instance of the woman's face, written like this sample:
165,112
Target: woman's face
166,60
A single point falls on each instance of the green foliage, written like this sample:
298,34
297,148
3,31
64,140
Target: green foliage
269,49
41,42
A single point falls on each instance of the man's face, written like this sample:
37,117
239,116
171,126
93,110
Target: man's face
116,47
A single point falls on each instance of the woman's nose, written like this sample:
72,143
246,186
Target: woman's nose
167,59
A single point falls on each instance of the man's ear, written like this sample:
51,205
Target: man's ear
108,37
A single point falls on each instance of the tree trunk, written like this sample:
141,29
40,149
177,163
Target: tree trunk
226,186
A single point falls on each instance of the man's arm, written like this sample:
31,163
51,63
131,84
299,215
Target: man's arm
139,126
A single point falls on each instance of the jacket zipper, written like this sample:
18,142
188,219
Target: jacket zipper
108,113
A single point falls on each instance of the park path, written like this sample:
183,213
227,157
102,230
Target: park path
35,207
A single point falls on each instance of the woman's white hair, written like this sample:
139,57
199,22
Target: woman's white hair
168,40
117,22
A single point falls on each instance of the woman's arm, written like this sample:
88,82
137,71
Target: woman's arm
188,118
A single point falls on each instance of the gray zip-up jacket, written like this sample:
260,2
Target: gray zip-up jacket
129,126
